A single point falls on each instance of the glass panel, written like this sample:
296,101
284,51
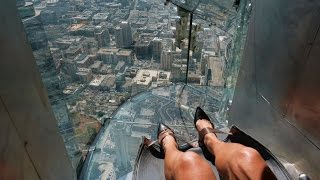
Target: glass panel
114,69
116,147
218,34
93,56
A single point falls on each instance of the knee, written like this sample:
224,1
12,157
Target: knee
248,155
192,166
188,159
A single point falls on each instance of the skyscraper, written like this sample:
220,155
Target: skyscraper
166,59
103,38
157,49
123,35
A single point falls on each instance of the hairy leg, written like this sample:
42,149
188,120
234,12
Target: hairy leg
184,165
233,160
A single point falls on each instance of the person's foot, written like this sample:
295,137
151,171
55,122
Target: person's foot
201,120
206,132
203,125
166,135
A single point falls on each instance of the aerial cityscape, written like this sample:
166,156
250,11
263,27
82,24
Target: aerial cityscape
122,66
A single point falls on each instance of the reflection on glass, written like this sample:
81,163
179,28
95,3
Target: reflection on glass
114,69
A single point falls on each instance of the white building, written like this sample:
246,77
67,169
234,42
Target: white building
145,78
96,82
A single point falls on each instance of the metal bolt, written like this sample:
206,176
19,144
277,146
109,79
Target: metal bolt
303,176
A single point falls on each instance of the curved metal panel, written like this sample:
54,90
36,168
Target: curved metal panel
304,109
276,96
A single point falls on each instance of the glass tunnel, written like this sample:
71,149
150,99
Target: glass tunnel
114,69
216,40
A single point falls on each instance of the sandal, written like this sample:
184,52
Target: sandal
164,131
155,147
200,114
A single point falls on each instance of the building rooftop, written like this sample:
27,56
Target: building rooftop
216,66
100,16
113,5
105,69
97,80
68,40
73,49
81,58
96,64
144,76
108,50
72,88
82,73
144,41
119,65
124,52
84,70
109,81
86,15
75,27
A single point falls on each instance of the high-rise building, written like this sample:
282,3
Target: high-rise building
143,48
157,49
166,59
119,36
205,55
103,38
123,34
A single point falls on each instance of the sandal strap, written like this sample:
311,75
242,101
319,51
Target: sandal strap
164,134
207,130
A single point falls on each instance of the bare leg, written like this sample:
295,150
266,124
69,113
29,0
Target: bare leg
233,160
184,165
